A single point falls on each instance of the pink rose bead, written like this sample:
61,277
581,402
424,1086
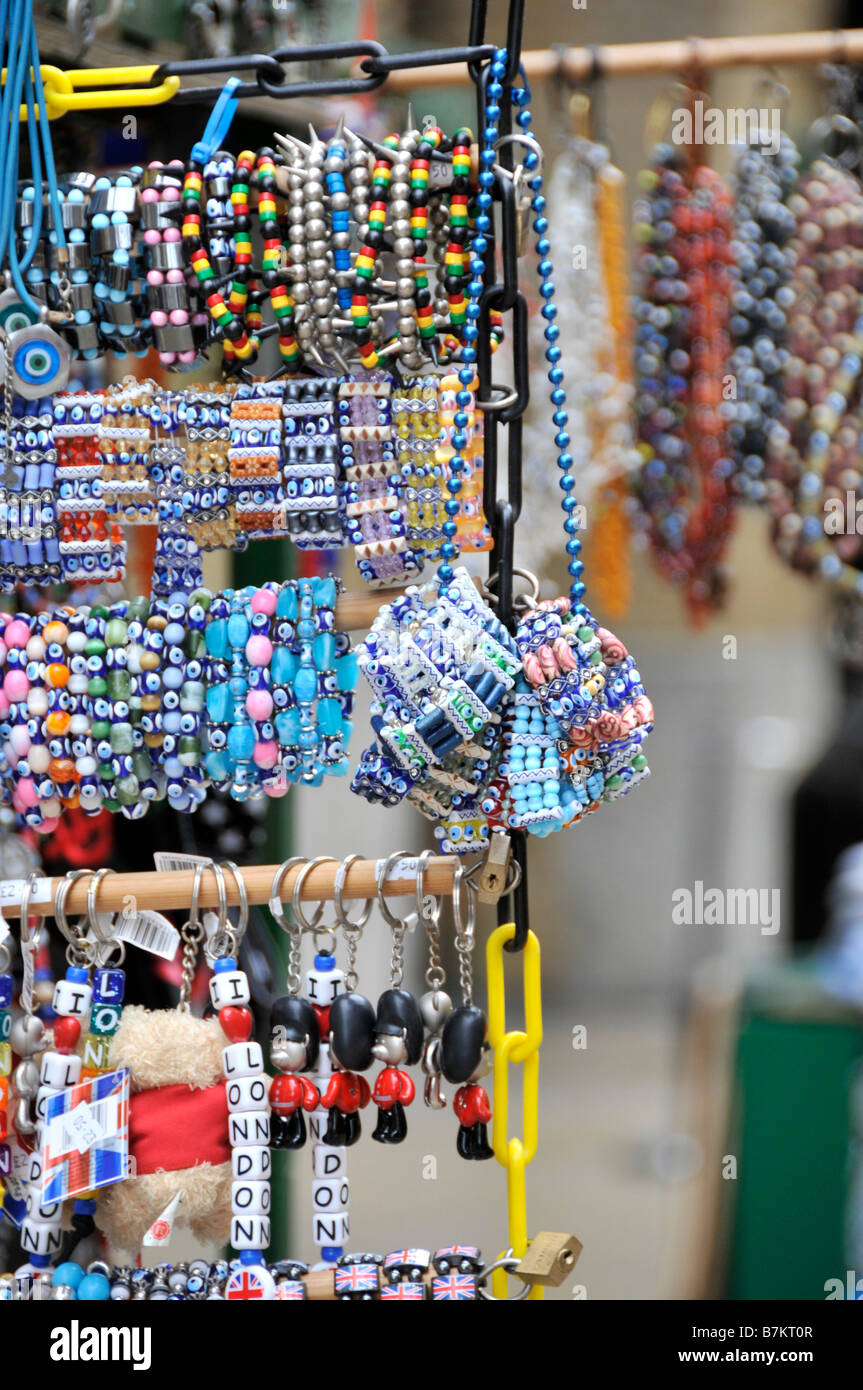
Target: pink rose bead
17,633
276,789
259,650
266,753
25,794
259,704
4,704
48,826
19,740
16,686
264,601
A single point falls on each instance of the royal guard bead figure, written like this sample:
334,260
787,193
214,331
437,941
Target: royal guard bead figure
464,1059
294,1050
352,1029
398,1039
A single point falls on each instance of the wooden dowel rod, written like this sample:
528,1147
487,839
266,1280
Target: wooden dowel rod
672,55
354,611
174,889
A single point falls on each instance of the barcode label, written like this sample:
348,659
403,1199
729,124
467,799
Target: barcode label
84,1126
149,931
167,861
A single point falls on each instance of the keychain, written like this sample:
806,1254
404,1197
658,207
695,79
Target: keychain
464,1046
436,1005
295,1038
398,1027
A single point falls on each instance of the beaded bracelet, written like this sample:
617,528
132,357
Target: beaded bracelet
682,356
29,546
761,303
814,447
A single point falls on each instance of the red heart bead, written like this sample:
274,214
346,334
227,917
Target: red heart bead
236,1023
67,1031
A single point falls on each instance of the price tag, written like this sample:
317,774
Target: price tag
149,931
81,1129
167,861
12,891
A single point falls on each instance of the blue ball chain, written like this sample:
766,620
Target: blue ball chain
479,246
560,419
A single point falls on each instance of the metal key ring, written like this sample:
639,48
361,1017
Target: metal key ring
434,916
509,397
95,927
510,1263
342,918
29,935
275,899
381,875
222,942
298,888
239,930
529,142
72,931
464,923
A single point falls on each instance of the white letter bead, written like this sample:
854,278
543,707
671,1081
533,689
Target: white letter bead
250,1232
248,1093
250,1198
322,986
59,1070
231,987
249,1129
251,1164
72,999
329,1196
329,1163
242,1059
41,1238
328,1228
318,1121
51,1213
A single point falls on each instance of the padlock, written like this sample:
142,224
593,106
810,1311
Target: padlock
493,872
550,1259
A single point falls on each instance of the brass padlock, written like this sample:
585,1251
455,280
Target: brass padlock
493,872
550,1259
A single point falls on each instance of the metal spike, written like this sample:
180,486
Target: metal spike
410,124
314,137
340,361
380,150
290,143
431,348
339,131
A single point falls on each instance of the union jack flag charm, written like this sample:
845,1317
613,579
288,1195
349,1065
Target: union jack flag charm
356,1281
85,1139
454,1286
408,1293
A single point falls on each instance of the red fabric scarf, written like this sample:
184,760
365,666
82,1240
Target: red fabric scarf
175,1127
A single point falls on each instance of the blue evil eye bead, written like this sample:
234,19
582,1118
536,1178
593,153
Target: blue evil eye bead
41,361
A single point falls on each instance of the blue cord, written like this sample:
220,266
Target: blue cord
24,86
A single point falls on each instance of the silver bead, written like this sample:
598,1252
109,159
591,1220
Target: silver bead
400,210
301,292
403,246
317,268
320,288
358,176
334,163
316,226
406,287
26,1078
341,241
406,327
406,306
27,1036
340,202
435,1007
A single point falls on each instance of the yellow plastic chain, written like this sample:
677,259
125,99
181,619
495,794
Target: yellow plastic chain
517,1048
62,94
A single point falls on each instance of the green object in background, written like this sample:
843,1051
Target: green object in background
797,1060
